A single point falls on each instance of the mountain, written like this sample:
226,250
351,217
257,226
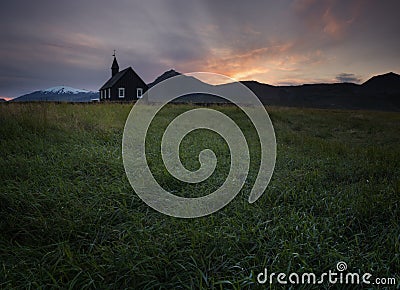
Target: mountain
381,92
387,83
60,94
166,75
2,100
173,73
190,81
336,95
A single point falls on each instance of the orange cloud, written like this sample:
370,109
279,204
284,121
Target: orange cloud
265,64
334,26
331,25
323,16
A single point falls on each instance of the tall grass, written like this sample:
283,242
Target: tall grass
69,218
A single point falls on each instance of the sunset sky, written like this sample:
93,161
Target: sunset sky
50,43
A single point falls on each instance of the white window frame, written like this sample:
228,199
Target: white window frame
139,93
109,93
119,93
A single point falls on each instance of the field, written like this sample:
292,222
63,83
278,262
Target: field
70,219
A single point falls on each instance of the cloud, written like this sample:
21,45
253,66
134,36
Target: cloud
348,78
48,42
269,63
327,18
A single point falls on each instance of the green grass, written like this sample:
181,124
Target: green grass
69,218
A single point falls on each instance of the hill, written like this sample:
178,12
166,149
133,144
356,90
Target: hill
389,82
59,94
381,92
166,75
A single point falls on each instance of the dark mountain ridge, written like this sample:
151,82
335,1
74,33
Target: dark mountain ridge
166,75
381,92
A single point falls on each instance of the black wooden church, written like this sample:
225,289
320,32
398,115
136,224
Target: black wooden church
124,85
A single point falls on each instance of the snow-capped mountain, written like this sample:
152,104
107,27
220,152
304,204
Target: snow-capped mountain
60,94
64,90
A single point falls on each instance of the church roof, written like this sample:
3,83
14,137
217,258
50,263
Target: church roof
111,82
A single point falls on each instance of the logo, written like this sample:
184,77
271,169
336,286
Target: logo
341,266
141,116
330,277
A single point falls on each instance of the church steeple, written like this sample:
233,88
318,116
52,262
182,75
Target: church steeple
115,66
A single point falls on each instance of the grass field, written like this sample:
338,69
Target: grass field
70,219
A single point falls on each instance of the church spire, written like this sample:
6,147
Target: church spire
115,66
